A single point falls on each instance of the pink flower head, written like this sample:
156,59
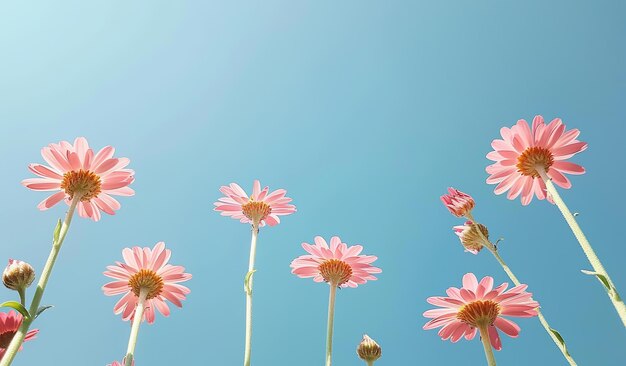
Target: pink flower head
9,323
471,239
261,207
480,305
524,151
146,270
338,264
115,363
76,170
459,203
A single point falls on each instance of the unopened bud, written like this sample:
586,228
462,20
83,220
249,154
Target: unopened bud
18,275
458,203
470,237
368,350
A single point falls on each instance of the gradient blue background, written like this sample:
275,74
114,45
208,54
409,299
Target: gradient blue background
365,112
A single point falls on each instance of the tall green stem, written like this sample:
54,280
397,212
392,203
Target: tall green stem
19,336
134,331
584,244
248,289
484,337
331,320
542,319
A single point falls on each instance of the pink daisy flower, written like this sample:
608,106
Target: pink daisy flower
338,264
146,271
458,203
76,170
523,150
9,324
261,207
478,304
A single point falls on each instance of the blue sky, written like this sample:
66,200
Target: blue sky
365,112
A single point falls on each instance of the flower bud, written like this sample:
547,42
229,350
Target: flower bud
18,275
458,203
470,237
368,350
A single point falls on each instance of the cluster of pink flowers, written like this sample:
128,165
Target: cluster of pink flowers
526,160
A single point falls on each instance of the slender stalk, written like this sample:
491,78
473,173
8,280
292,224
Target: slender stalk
369,363
19,336
134,331
584,244
331,320
248,289
484,337
542,319
22,292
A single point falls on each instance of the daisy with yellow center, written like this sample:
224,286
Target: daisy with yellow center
474,237
339,266
529,161
146,281
258,209
85,181
75,171
479,307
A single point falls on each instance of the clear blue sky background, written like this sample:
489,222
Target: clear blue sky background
365,111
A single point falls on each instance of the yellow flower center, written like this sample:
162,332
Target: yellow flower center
5,339
531,158
148,280
335,271
256,210
479,313
82,182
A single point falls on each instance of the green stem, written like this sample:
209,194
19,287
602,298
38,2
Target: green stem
484,337
584,244
542,319
331,320
22,292
134,331
248,290
19,336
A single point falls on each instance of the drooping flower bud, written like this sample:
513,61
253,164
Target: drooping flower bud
459,203
471,238
18,275
368,350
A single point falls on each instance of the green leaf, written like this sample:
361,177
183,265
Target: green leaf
600,277
561,340
57,231
17,306
246,282
42,309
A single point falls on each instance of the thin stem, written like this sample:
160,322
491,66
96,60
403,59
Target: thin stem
19,336
542,319
484,337
509,272
584,244
248,289
369,363
22,292
331,320
134,331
